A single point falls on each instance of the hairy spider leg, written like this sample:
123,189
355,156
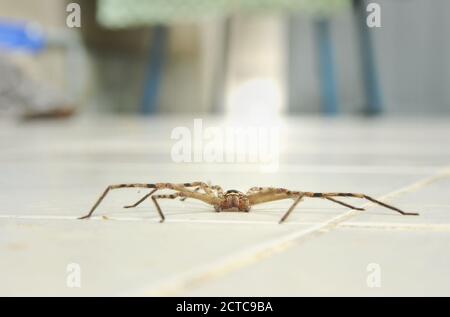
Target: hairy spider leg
207,198
362,196
259,195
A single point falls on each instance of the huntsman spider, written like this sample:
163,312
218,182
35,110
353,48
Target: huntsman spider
233,200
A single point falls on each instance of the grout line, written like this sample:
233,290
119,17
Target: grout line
198,276
369,225
397,226
38,217
156,220
445,173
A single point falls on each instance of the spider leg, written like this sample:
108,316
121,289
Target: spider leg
260,195
218,189
362,196
195,190
208,198
199,185
190,194
256,189
299,198
344,204
171,196
110,187
141,200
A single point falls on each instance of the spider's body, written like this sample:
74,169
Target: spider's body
233,200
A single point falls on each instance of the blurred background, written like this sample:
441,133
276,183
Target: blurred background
222,57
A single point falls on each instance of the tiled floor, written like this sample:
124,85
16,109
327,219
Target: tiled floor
51,173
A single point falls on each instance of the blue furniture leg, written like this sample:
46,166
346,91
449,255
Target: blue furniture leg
373,95
327,79
154,70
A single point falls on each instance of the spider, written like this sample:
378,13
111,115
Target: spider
233,200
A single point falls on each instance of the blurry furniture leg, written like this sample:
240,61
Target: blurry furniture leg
215,38
327,78
154,70
368,66
220,72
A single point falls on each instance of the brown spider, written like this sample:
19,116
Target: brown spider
234,200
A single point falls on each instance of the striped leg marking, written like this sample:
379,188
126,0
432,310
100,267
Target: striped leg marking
158,208
357,195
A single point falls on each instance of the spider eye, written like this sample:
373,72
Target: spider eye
232,191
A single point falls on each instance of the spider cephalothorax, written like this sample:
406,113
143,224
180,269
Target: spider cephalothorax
234,200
